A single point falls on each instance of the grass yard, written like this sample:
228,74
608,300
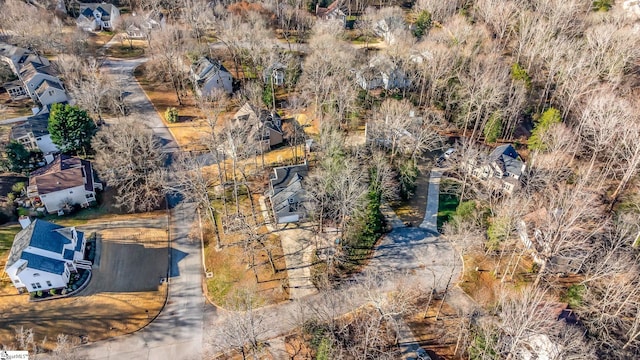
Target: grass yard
191,126
125,51
232,275
447,205
114,303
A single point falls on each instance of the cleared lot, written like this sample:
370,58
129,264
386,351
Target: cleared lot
124,294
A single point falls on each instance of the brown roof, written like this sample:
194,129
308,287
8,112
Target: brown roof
63,173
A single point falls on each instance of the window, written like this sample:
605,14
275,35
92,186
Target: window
70,191
33,286
50,92
49,283
36,275
38,285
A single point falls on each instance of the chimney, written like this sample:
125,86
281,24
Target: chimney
25,221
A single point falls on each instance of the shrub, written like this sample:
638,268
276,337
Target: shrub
39,293
601,5
519,73
52,291
574,295
493,128
64,291
422,24
548,119
17,188
171,115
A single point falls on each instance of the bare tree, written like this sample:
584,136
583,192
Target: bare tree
129,158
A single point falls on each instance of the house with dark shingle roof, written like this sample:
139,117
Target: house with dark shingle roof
42,85
34,134
208,75
44,255
287,194
266,126
96,16
65,182
501,169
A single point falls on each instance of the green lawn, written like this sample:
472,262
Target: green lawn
447,204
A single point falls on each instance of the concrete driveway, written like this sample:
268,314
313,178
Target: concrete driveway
140,107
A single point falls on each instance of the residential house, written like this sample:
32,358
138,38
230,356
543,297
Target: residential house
274,74
267,126
381,72
42,85
502,169
16,57
44,255
65,182
34,134
142,26
389,27
286,193
208,75
332,12
98,16
531,228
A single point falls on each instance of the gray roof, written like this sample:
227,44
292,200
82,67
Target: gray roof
43,263
48,84
284,175
507,158
87,9
42,235
36,125
31,69
287,192
206,68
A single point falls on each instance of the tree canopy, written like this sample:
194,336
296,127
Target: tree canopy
71,128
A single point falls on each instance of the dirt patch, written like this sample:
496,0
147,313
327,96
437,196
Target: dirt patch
191,126
124,294
485,275
437,335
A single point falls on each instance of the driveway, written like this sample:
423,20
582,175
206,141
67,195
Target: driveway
140,107
177,332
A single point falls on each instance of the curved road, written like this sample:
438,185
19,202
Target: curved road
415,254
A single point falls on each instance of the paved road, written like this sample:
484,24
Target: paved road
141,108
177,332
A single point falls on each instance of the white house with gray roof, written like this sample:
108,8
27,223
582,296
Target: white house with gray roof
44,255
208,75
34,134
287,194
98,16
502,169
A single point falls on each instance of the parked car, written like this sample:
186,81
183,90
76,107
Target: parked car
447,154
